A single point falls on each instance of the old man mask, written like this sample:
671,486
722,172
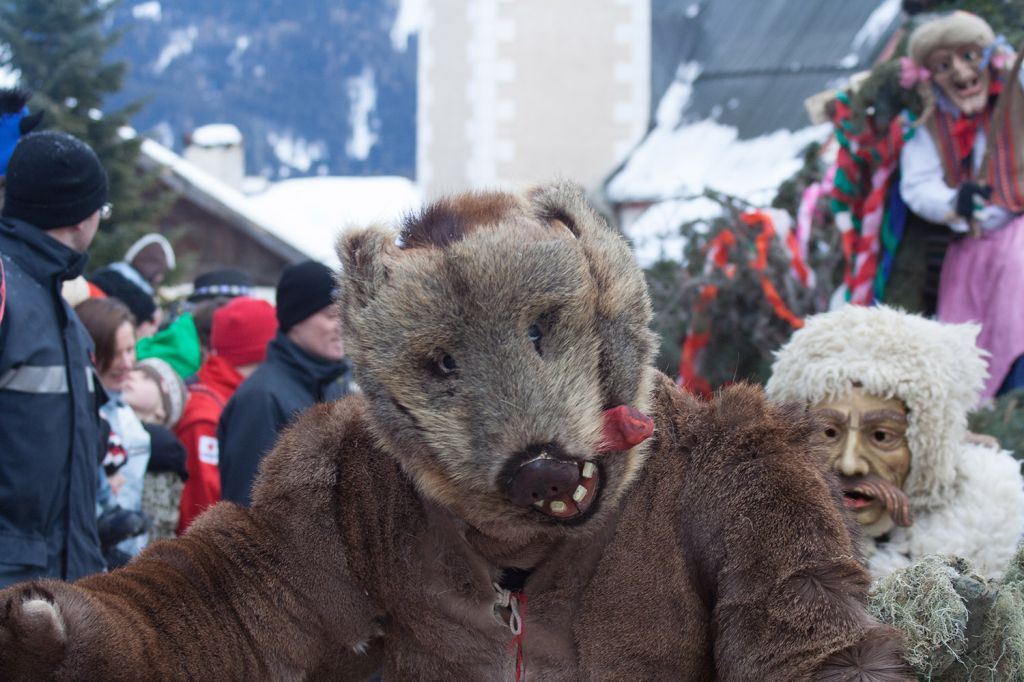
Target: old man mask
867,447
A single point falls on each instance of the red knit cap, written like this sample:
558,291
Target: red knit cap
242,328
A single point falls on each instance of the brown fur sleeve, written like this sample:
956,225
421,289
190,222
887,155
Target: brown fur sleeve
786,591
246,594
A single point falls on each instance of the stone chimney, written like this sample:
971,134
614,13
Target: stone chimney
217,149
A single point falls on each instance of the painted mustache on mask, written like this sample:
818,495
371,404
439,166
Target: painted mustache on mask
876,488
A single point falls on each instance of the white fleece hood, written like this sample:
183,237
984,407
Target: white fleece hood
935,369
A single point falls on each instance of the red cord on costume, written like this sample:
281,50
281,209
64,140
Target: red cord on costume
518,602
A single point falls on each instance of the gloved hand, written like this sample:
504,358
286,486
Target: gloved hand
970,197
166,451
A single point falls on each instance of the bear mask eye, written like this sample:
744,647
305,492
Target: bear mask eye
535,335
446,365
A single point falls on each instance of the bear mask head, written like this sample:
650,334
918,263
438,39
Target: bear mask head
491,341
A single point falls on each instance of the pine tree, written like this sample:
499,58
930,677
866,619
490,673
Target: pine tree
58,46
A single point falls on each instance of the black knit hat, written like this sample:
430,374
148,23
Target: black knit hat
53,180
303,289
115,285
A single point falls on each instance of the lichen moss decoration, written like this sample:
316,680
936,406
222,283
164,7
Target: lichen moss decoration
958,626
921,602
1000,655
881,98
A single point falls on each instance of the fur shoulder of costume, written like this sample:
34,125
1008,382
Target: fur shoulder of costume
982,521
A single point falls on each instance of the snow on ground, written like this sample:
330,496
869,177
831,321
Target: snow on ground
310,213
362,93
307,213
149,11
180,43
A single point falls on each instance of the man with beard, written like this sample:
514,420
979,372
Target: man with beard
961,167
892,391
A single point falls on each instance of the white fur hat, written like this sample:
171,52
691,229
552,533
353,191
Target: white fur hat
152,238
955,28
935,369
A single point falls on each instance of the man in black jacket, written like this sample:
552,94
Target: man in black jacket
305,365
56,189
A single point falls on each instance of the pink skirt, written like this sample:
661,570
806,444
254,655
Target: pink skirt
982,281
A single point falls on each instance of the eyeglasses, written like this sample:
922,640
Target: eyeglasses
106,210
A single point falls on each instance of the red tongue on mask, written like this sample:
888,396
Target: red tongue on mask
625,427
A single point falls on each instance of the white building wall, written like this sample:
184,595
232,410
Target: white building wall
513,92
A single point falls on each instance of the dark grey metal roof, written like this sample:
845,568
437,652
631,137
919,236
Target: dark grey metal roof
760,59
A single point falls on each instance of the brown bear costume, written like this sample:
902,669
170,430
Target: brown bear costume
487,511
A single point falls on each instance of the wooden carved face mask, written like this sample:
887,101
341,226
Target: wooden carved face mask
959,72
866,438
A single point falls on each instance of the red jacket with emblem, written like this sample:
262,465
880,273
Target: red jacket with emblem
197,429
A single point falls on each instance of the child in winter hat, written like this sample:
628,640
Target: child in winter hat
242,328
156,392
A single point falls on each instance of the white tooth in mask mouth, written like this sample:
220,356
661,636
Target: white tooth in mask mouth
574,504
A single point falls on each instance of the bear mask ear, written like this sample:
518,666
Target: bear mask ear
566,204
364,255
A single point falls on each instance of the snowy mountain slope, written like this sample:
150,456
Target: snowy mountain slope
316,86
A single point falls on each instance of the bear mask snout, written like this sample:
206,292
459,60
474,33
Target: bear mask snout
542,478
556,486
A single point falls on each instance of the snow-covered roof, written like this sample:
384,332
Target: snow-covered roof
674,166
217,135
732,119
311,212
754,74
298,218
679,159
672,169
